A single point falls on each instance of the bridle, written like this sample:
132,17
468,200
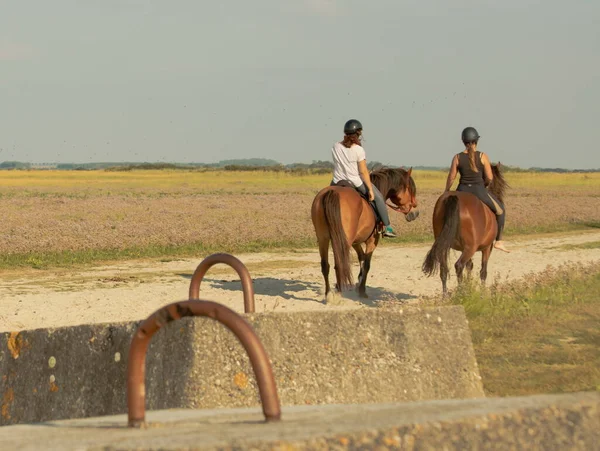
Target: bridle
399,209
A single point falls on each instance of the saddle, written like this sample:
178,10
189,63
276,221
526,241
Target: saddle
378,222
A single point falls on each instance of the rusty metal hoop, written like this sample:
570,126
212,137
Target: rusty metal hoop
236,264
136,365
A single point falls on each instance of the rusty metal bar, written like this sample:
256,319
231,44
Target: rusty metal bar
136,367
236,264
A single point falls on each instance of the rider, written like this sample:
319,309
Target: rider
475,174
349,163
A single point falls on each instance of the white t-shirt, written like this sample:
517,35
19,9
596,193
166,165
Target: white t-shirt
345,163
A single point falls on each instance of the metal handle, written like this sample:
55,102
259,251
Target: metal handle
236,264
136,366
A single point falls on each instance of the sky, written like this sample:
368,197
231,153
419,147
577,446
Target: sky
189,81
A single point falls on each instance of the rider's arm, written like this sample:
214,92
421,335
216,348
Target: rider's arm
366,178
487,169
452,173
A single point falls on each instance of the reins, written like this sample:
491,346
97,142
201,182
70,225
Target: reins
397,209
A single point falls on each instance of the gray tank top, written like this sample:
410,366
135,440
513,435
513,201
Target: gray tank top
467,175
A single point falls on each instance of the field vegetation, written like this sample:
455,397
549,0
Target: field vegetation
62,218
539,335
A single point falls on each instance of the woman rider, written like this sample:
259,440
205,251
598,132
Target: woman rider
349,163
475,174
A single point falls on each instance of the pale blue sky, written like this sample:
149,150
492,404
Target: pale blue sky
142,80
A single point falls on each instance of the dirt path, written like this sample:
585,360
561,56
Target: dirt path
282,282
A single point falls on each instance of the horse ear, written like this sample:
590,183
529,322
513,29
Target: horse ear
410,172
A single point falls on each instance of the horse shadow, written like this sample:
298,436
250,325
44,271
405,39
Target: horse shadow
377,296
291,289
268,286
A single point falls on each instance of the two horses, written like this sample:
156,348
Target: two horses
460,221
341,215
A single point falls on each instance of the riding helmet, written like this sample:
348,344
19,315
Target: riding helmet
470,135
352,126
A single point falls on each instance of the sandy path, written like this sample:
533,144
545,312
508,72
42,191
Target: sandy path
282,282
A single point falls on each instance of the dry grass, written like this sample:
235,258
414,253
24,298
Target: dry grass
537,336
51,217
570,247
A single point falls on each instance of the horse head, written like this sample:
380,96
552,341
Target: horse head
397,185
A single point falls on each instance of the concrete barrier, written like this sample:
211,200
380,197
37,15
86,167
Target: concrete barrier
547,422
366,356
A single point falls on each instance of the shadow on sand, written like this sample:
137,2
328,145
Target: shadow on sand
291,289
377,296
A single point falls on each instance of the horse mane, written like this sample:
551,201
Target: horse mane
498,185
391,180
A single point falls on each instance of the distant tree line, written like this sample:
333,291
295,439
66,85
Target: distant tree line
14,165
249,164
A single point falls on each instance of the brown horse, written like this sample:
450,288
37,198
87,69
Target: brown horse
342,215
464,223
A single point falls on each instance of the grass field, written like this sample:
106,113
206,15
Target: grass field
539,336
58,218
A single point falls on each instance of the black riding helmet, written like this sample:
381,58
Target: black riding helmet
352,126
470,135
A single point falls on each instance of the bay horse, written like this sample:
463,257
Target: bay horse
464,223
344,217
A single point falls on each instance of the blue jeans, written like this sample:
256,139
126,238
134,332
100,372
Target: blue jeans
379,202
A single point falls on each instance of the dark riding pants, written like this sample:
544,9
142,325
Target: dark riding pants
490,200
379,202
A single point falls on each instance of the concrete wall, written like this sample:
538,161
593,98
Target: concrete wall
365,356
546,422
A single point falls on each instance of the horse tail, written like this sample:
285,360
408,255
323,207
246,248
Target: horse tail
438,254
339,242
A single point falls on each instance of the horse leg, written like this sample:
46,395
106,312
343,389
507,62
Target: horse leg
444,277
361,259
362,288
485,256
371,244
460,264
469,268
324,253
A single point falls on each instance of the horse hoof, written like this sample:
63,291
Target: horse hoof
364,295
330,298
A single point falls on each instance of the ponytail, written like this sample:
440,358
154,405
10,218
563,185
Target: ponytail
471,150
